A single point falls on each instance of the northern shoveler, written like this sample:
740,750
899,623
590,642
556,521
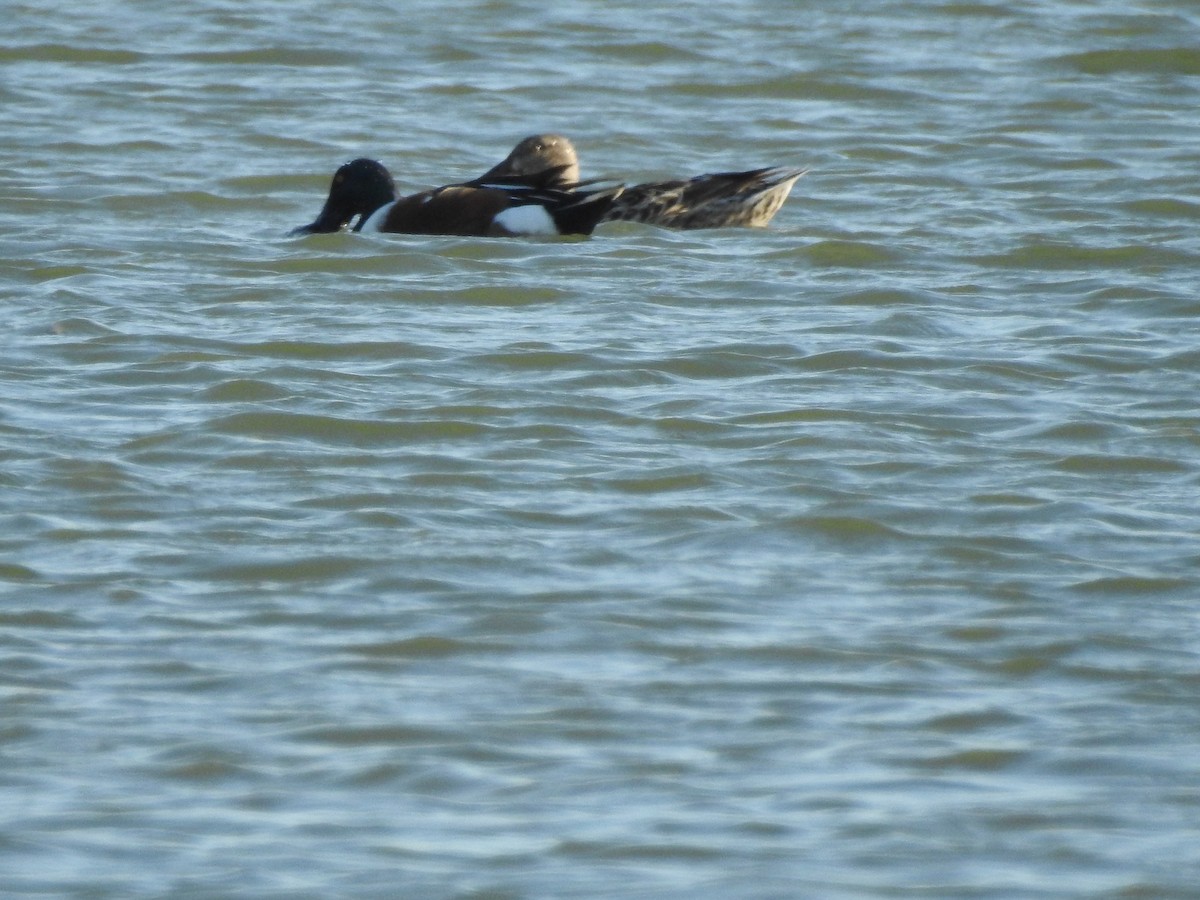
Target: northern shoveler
706,201
493,207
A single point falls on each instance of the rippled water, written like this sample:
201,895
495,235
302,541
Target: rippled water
852,558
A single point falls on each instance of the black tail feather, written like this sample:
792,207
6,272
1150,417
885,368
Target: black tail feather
583,215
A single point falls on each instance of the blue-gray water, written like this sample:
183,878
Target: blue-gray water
857,557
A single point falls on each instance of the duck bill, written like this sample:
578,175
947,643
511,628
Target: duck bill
502,169
331,219
509,176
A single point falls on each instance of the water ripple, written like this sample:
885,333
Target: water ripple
654,563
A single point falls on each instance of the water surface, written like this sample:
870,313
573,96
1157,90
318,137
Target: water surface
856,557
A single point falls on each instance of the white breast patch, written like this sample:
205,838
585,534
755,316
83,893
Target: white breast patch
377,218
530,219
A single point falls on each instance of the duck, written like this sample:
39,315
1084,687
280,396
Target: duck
721,199
499,206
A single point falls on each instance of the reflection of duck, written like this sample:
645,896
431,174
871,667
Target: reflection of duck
500,208
705,201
